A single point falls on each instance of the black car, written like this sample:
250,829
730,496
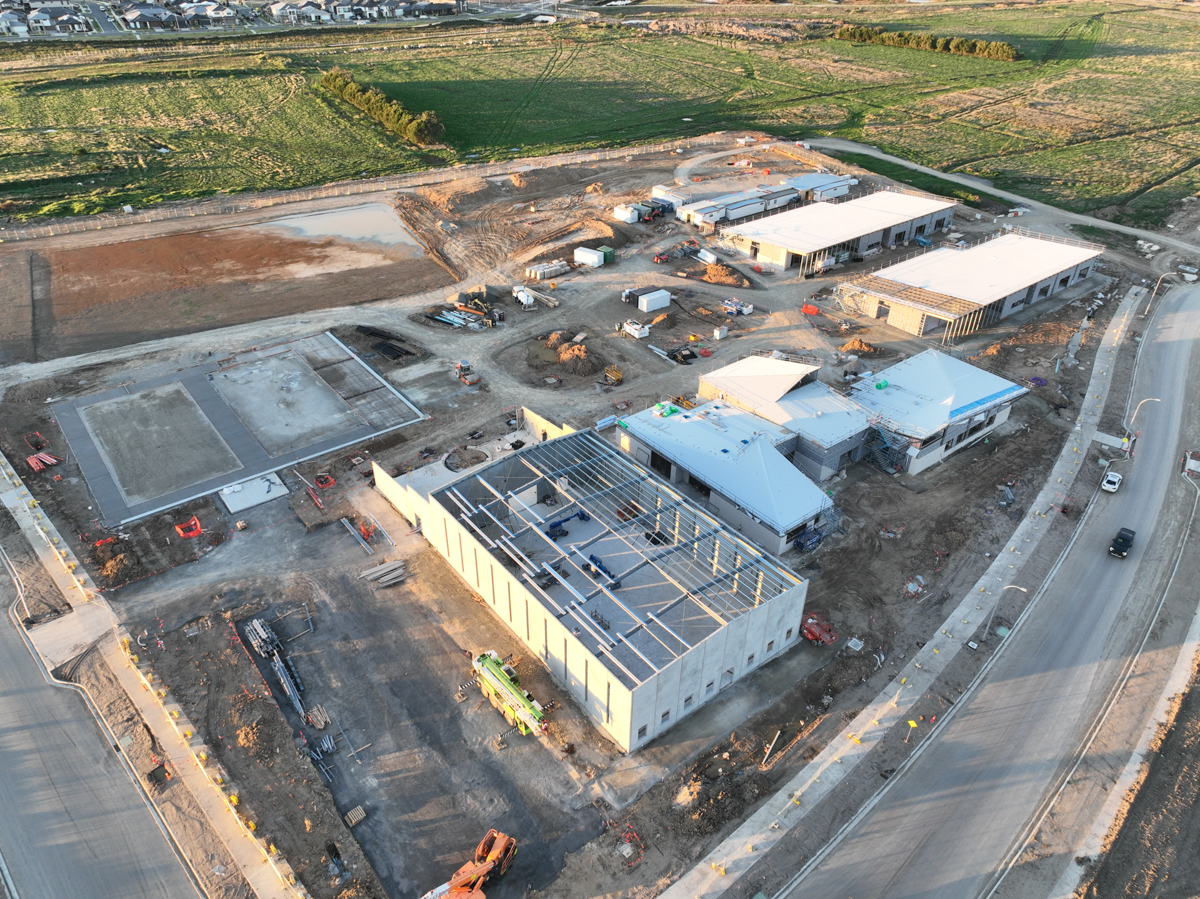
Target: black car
1121,543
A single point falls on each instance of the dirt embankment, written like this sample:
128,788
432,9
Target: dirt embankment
278,787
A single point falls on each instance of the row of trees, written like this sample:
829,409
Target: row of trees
958,45
420,128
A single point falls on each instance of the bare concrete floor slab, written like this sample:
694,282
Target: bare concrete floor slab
156,441
283,403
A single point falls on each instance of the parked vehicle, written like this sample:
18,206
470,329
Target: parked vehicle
1111,482
817,630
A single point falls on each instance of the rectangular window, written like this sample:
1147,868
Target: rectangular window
608,703
642,732
687,703
770,645
708,689
937,226
788,635
1083,273
666,716
919,230
750,659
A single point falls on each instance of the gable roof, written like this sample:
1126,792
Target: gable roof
758,380
818,413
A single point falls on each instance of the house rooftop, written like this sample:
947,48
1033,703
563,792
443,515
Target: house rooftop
733,452
823,225
991,270
817,413
758,380
640,578
923,394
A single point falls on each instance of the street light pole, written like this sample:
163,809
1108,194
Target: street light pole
1129,427
988,629
1155,292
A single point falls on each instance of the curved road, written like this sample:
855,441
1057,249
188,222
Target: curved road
1054,212
947,825
73,824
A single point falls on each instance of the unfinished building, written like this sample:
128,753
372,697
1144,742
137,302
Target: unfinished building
644,606
957,291
825,234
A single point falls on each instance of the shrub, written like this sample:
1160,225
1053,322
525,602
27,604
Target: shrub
960,46
420,128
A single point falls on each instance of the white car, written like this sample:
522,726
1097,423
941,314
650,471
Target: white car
1111,482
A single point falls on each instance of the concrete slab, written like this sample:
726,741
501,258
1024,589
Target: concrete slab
255,492
429,382
62,639
283,402
156,441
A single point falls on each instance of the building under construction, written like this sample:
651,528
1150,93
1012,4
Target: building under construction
957,290
640,603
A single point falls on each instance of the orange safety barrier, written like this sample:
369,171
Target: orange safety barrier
190,528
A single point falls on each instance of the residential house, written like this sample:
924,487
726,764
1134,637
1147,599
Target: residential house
56,20
14,23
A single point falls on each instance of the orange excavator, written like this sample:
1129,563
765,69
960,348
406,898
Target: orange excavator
492,858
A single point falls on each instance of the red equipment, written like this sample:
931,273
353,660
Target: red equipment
817,630
661,257
190,528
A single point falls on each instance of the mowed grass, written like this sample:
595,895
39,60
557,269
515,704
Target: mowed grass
1101,113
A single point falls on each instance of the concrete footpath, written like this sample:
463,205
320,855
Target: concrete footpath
738,853
91,621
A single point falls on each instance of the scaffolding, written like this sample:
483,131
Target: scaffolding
887,447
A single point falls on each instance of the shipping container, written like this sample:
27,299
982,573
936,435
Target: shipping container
610,254
587,256
652,302
626,214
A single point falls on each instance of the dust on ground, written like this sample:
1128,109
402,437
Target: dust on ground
207,855
99,297
209,672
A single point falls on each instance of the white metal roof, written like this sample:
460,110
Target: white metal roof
818,414
733,451
822,225
988,271
758,380
921,395
814,181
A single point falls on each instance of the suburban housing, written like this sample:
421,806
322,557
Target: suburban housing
641,604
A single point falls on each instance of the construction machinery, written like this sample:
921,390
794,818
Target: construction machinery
662,257
463,370
817,630
634,329
492,858
555,529
498,682
613,376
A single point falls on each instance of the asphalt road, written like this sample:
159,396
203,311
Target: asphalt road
101,18
73,823
954,817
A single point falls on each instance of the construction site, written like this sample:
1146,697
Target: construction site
356,478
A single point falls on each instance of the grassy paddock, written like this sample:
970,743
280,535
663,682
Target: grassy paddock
1083,119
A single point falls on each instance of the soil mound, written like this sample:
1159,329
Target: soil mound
666,320
554,341
596,187
720,273
858,347
546,179
454,196
575,359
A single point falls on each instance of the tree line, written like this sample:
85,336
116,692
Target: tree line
957,45
419,128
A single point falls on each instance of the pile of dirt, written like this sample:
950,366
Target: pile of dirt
455,196
666,320
575,359
596,187
590,233
547,179
858,347
555,340
720,273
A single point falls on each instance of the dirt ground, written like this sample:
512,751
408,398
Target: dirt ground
210,673
100,297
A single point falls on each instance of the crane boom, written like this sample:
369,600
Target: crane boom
492,858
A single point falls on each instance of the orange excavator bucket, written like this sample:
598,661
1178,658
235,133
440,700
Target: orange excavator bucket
492,858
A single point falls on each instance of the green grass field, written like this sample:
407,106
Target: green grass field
1101,113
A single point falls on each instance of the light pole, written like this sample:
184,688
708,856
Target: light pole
987,630
1154,293
1129,427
